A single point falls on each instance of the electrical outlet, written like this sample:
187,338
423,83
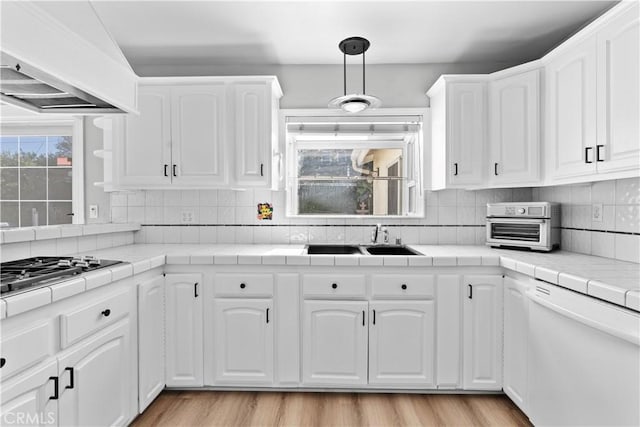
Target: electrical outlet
187,217
597,212
93,211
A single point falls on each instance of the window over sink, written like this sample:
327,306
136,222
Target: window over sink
364,166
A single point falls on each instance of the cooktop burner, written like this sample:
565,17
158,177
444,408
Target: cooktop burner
33,272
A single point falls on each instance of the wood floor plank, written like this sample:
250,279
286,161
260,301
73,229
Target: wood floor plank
310,409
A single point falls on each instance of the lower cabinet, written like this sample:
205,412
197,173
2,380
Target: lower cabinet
516,337
482,332
402,343
94,380
243,341
151,364
31,397
334,343
183,330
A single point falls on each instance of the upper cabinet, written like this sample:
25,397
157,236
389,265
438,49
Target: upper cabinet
591,105
593,97
514,129
199,132
458,123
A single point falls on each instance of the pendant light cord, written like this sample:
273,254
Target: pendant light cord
363,91
344,70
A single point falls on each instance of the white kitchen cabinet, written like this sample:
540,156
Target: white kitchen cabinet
142,150
618,92
243,341
458,123
449,331
198,135
334,343
32,397
516,331
183,330
198,132
254,127
570,143
150,341
95,380
514,128
482,332
402,343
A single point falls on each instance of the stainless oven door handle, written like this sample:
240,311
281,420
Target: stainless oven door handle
494,220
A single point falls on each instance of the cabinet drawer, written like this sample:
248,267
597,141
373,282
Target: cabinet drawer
334,285
243,285
408,286
25,348
77,324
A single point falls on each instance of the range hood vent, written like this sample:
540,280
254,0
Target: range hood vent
33,89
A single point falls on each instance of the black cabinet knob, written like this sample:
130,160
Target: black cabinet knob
334,285
404,286
242,286
106,312
3,362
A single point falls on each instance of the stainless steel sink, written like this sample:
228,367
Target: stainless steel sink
334,250
320,249
390,250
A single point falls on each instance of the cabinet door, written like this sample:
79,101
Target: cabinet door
30,398
198,129
334,343
514,129
183,330
571,112
619,93
516,330
253,134
143,156
95,380
150,341
402,343
482,342
466,129
243,341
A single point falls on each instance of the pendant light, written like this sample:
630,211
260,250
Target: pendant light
354,103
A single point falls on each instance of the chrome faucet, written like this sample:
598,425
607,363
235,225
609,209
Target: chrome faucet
379,228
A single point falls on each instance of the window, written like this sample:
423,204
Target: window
37,174
345,166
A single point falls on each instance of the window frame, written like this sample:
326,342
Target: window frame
287,149
45,126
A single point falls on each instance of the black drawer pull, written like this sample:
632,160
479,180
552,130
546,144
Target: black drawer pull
586,154
404,286
495,169
261,169
374,317
72,383
242,286
165,170
598,158
3,362
455,173
267,315
56,395
470,295
362,317
174,170
334,285
106,313
195,290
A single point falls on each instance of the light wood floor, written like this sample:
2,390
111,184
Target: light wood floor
222,408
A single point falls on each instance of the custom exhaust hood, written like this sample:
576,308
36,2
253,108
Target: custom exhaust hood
36,90
66,62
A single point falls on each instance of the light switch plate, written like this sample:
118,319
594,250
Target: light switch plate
597,212
93,211
187,217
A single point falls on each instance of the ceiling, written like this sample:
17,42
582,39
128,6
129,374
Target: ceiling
308,32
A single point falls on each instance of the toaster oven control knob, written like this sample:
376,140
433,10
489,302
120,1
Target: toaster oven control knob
521,211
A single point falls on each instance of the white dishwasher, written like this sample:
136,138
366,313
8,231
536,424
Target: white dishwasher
584,360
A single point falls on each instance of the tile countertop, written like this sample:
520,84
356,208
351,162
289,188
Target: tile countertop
608,279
